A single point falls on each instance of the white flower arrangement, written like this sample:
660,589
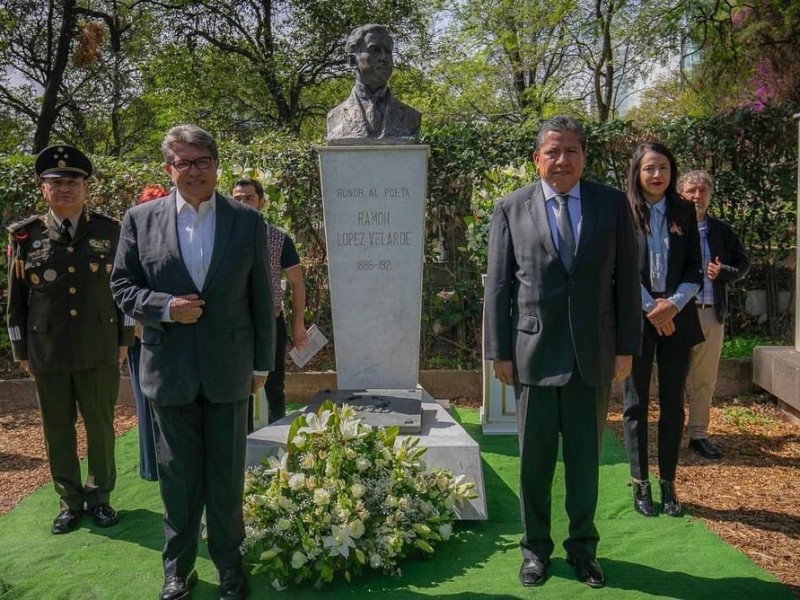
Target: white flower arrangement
342,497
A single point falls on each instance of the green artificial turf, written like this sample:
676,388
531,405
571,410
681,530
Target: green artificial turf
642,558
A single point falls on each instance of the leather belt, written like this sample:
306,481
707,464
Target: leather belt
701,306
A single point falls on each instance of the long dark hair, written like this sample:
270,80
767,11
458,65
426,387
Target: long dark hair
679,212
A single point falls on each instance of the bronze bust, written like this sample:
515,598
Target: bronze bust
371,114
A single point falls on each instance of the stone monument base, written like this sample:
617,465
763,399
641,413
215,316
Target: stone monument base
448,446
777,370
379,408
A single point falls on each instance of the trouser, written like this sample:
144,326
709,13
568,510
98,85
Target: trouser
575,413
61,395
703,369
148,468
201,451
673,365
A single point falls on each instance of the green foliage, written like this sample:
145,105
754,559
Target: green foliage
751,154
745,417
498,182
742,346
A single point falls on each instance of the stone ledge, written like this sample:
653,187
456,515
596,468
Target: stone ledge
735,377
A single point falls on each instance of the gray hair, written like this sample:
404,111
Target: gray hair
560,124
191,135
356,37
696,176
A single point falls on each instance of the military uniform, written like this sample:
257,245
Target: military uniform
62,319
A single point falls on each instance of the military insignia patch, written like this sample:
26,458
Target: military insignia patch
99,246
50,275
38,255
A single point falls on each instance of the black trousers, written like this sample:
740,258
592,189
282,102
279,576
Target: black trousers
201,450
61,395
275,386
576,413
673,365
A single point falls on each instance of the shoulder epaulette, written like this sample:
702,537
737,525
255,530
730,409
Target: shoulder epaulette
24,223
98,215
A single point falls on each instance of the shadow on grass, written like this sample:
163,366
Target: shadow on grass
681,586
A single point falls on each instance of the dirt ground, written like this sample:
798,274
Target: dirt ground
750,498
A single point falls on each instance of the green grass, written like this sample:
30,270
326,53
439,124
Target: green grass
643,558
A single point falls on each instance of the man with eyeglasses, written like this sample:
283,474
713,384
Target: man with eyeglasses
67,333
192,269
283,258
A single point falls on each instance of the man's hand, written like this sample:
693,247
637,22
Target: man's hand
26,364
123,354
299,335
504,371
713,269
663,312
257,383
666,329
622,367
186,309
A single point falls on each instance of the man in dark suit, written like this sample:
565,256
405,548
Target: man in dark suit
561,321
192,268
724,261
67,333
371,112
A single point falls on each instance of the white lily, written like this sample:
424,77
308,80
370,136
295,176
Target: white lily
316,424
278,463
339,541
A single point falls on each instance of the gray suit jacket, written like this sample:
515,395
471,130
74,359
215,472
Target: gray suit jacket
544,318
235,334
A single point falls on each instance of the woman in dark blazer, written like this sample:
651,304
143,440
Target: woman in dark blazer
670,263
148,467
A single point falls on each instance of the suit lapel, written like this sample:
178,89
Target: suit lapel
538,213
222,230
588,222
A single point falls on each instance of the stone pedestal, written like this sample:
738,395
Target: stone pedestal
777,370
373,199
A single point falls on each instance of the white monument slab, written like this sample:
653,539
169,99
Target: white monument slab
373,201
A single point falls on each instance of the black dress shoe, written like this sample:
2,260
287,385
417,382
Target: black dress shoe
66,521
588,571
643,499
232,585
705,448
669,501
103,515
178,588
533,571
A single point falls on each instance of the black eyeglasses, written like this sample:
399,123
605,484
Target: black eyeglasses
182,166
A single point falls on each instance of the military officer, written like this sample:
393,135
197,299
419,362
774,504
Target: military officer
67,333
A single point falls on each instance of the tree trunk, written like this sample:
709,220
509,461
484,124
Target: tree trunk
49,112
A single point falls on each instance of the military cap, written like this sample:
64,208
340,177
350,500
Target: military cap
62,160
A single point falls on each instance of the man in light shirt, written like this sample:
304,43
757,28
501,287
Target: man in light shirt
191,267
724,261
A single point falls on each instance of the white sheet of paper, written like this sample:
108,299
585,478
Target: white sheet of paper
316,342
